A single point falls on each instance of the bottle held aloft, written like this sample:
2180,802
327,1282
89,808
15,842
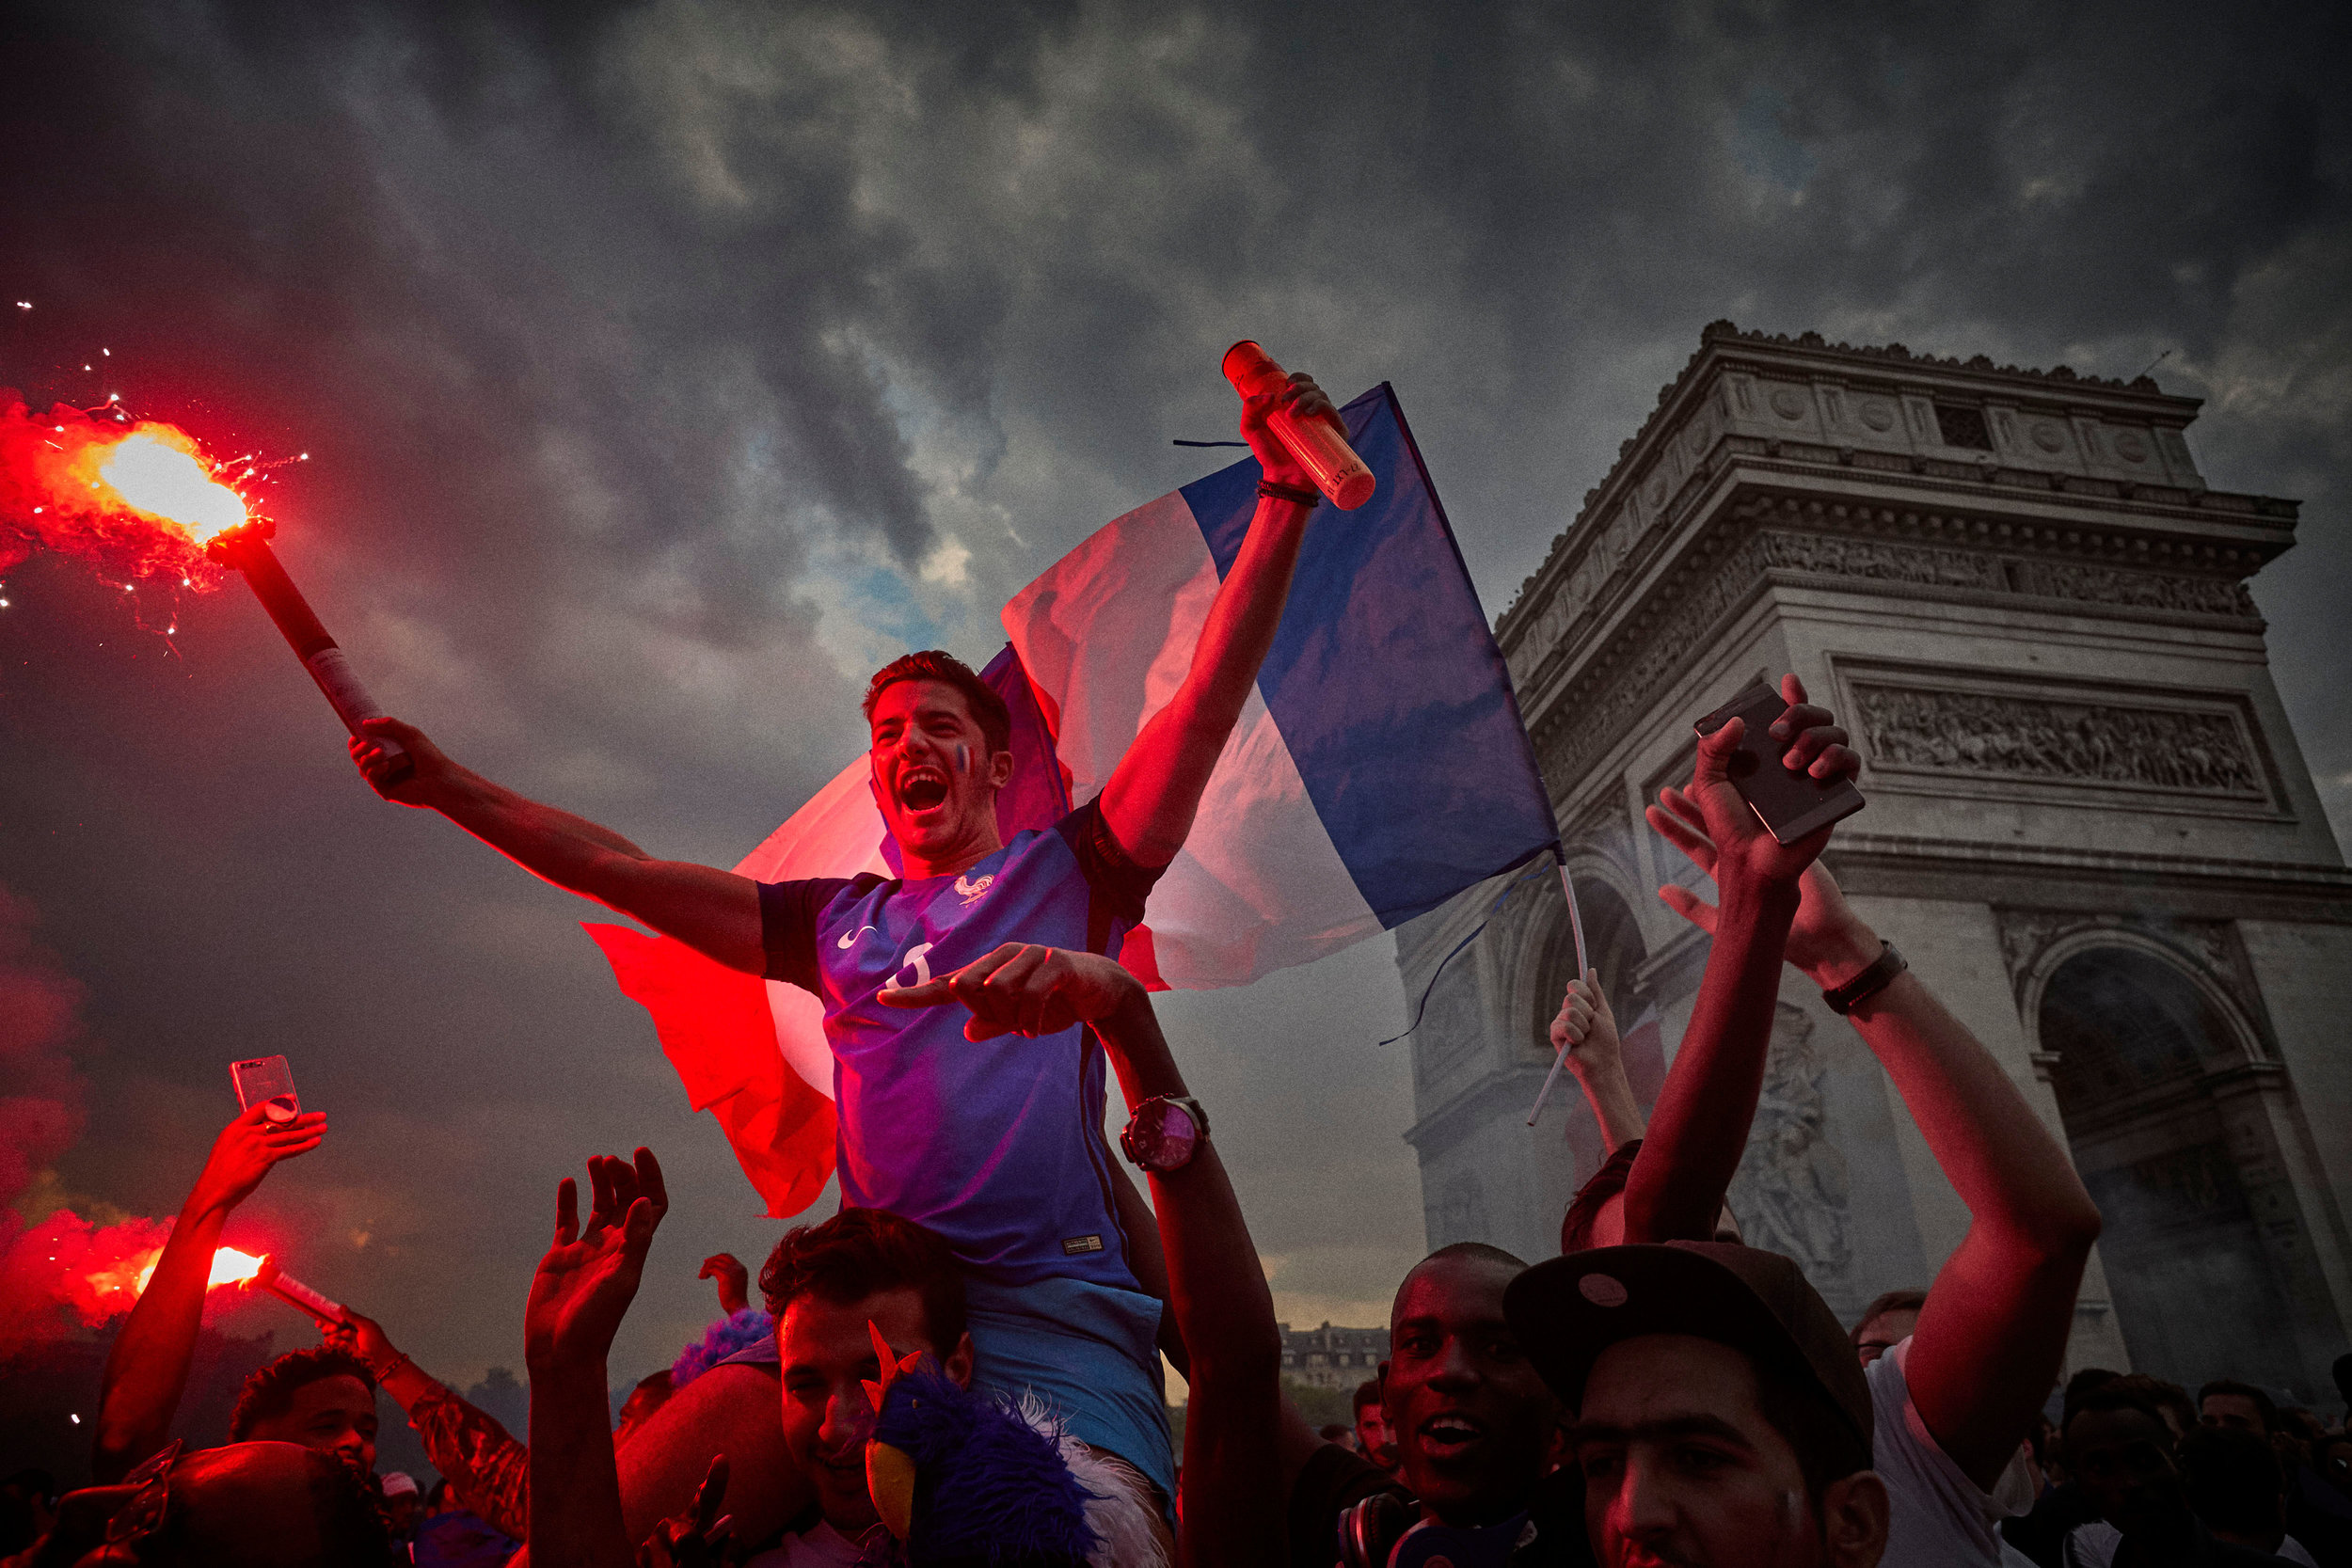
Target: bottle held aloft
1320,446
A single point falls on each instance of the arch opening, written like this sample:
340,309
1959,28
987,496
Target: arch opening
2198,1292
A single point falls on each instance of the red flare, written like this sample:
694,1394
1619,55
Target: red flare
131,495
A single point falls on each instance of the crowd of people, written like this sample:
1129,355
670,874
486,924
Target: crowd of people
962,1365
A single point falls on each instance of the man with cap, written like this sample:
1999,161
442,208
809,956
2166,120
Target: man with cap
404,1504
1721,1418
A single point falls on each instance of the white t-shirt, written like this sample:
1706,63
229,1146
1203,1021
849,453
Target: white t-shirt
821,1547
1938,1516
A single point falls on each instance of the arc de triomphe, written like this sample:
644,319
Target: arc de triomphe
2090,829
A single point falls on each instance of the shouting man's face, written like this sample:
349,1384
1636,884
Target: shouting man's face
935,778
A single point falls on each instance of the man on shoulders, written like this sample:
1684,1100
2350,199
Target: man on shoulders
996,1148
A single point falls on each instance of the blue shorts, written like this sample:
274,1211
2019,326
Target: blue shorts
1090,1353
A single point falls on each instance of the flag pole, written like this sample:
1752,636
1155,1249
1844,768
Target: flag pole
1576,929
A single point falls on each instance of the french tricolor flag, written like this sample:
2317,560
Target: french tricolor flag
1379,767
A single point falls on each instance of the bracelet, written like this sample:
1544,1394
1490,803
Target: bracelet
1290,493
398,1360
1868,984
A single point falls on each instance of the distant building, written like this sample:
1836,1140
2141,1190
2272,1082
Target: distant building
1329,1357
2090,828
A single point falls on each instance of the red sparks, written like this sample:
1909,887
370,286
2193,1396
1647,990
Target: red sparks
140,496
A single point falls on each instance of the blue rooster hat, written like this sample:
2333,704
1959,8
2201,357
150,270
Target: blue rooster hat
961,1477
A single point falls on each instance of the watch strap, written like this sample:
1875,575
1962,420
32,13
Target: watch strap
1889,963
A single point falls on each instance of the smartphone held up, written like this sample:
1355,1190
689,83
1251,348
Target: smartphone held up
266,1082
1790,802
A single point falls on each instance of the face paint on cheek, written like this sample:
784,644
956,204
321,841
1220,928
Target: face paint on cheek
964,763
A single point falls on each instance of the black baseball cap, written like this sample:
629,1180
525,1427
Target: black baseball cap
1568,1310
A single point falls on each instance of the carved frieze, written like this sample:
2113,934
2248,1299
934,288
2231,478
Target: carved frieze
2020,736
1606,700
2097,584
1882,559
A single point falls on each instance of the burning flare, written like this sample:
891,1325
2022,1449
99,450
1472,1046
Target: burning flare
109,489
229,1267
158,472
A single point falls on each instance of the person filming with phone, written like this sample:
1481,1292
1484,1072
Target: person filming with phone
147,1370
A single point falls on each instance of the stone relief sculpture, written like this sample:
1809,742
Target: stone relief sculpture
1838,555
2026,737
1613,692
2067,579
1792,1194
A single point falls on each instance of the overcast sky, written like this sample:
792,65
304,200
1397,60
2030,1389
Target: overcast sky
666,367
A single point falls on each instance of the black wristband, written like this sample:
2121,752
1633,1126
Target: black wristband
1868,984
1272,491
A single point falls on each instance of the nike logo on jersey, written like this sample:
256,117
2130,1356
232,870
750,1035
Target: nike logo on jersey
851,941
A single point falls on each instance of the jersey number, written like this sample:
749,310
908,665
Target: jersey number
916,962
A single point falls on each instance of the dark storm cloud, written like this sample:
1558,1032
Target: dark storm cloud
666,366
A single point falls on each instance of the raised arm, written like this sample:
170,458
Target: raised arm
1587,1031
1235,1488
582,1287
715,912
1149,802
1994,1330
147,1370
468,1446
1699,1127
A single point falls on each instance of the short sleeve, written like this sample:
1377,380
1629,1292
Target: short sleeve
788,912
1938,1516
1119,884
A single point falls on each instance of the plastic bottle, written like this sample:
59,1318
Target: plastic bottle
1318,445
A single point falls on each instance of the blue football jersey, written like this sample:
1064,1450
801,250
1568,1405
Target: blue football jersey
997,1145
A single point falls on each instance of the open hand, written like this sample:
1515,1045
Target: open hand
1810,739
376,764
1585,1028
1022,989
734,1279
1302,398
696,1537
588,1277
246,1150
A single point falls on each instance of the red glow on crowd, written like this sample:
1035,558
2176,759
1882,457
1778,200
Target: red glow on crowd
133,494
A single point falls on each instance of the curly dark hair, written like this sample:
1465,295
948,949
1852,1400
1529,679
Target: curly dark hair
861,1251
270,1391
933,664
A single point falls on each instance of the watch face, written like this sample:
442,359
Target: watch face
1166,1136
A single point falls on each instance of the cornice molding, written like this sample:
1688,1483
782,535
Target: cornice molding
1661,473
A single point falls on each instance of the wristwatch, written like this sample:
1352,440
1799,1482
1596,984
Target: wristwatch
1165,1131
1881,974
